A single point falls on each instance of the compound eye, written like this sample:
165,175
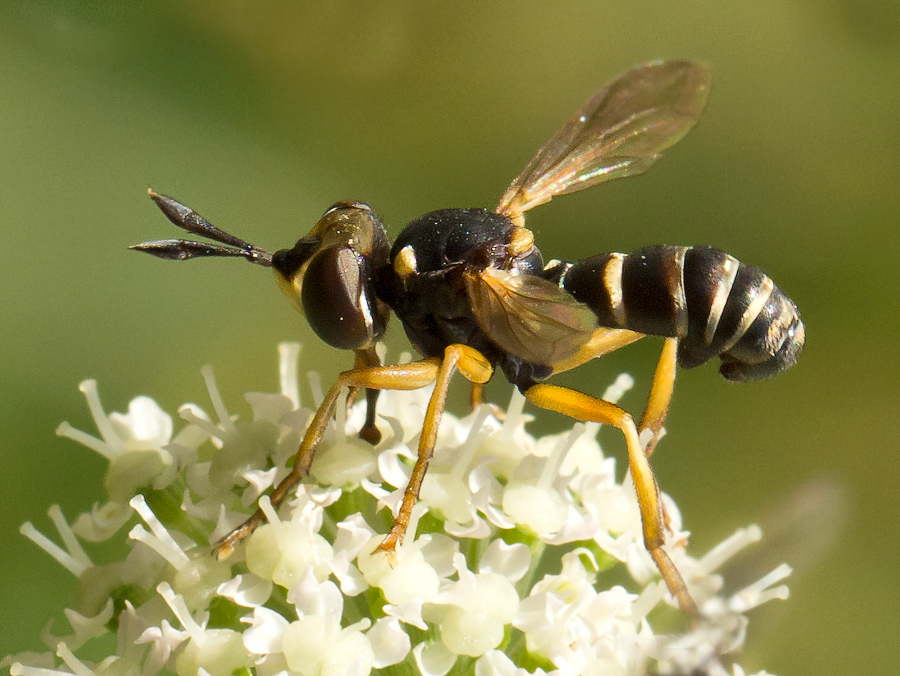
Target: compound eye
338,300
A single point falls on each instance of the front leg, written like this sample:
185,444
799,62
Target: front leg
400,377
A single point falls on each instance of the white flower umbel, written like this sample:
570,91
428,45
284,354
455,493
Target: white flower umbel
524,556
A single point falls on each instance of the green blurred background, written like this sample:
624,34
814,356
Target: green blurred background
261,114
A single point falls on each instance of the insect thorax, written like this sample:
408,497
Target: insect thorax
424,285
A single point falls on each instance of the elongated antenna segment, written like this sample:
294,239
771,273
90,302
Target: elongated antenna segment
188,219
181,249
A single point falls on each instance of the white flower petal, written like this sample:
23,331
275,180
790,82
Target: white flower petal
351,655
345,463
220,652
390,644
86,627
391,469
352,535
497,663
510,560
470,633
433,659
103,521
265,633
407,577
312,597
271,407
478,529
246,590
439,553
145,425
543,510
307,642
409,612
259,482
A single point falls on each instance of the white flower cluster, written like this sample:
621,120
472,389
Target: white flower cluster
528,557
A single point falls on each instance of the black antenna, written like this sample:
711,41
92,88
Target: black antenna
182,249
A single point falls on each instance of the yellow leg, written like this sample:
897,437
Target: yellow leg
471,363
660,393
476,399
401,377
584,407
476,369
476,395
658,402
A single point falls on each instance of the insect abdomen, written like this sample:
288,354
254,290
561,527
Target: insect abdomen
716,305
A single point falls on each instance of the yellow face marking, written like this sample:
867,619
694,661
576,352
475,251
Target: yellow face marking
292,287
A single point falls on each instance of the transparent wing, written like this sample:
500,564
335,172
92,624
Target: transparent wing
621,131
529,317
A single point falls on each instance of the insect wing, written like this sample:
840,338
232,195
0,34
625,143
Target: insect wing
529,317
621,131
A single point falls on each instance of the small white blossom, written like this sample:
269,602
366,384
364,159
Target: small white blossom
407,578
477,609
502,573
219,652
134,443
246,590
282,551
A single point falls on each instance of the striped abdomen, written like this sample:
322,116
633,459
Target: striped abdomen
716,305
